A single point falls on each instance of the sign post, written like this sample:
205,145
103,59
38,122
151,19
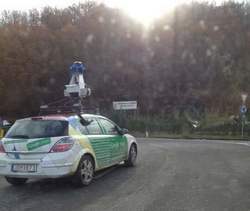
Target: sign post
123,108
243,110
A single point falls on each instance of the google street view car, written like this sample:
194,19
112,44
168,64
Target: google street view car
64,145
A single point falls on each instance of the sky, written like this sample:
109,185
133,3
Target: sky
144,11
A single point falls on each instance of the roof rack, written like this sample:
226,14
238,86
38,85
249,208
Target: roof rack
66,106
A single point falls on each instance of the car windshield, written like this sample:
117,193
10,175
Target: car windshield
38,129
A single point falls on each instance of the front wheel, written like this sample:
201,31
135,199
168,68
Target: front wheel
132,156
85,172
16,181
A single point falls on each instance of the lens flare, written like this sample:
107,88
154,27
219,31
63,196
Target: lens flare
143,11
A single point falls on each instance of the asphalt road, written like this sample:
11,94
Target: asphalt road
170,175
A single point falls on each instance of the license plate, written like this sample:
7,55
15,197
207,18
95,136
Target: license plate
24,167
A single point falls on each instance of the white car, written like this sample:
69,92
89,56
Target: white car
64,145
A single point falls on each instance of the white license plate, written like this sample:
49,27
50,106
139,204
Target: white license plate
24,167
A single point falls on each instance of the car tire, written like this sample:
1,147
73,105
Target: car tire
85,172
131,161
16,181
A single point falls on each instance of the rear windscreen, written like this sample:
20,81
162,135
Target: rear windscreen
38,129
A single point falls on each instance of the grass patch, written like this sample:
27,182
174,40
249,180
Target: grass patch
189,136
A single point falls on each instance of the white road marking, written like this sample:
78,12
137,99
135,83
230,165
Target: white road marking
244,143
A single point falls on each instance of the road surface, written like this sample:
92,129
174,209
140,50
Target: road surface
170,175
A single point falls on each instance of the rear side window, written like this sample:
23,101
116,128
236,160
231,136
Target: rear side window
83,129
38,129
93,128
75,123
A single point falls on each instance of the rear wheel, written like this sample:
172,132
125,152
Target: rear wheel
16,181
132,156
85,172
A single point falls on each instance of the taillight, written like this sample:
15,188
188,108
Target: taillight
63,145
2,150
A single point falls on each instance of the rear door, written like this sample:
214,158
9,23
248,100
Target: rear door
101,143
119,146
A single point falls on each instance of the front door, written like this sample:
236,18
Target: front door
101,144
118,152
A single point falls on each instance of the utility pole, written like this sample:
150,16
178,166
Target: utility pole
175,55
243,110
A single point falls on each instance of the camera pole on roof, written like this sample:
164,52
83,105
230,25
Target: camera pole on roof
74,93
77,89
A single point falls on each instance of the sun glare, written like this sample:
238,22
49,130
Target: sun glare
144,11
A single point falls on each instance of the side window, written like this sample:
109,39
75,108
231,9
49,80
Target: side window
75,123
108,126
82,129
94,128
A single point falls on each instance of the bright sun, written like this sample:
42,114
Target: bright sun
144,11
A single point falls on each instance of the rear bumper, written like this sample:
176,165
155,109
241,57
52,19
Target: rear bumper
42,172
53,165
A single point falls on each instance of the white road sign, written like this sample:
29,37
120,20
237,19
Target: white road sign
125,105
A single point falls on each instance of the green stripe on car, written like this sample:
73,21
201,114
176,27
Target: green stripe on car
16,141
39,143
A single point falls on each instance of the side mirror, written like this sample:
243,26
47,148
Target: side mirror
125,131
122,131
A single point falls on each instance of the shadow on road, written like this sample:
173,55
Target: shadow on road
55,194
65,183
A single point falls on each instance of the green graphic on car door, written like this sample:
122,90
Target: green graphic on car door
101,144
102,147
117,140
